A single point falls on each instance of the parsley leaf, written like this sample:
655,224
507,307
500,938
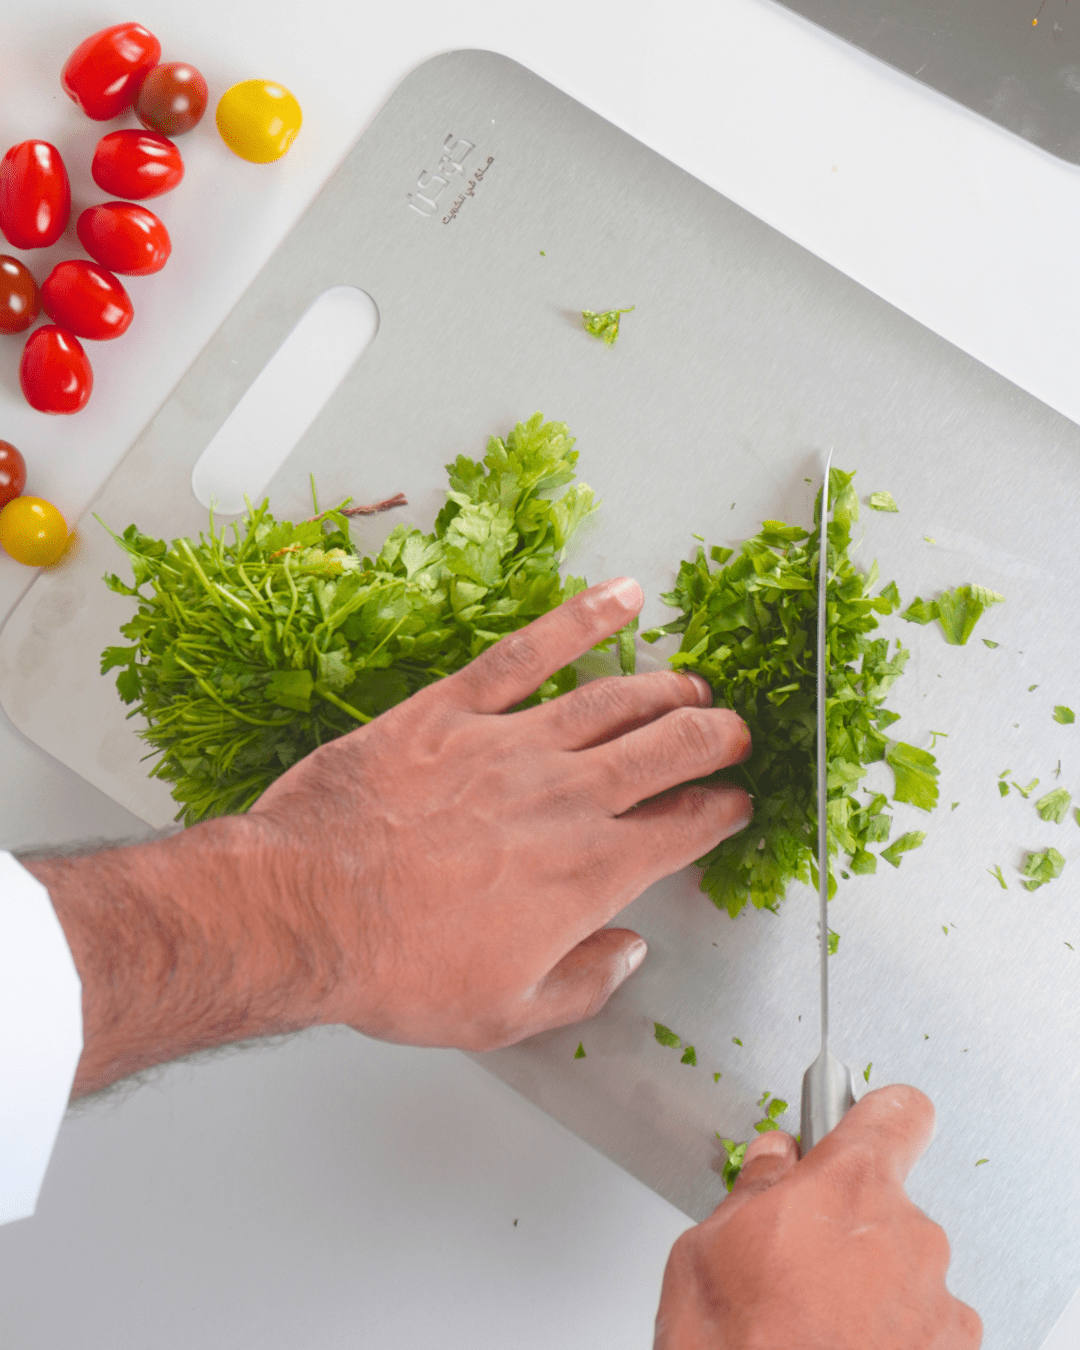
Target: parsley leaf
1064,715
690,1056
1054,806
866,1072
882,501
250,651
916,771
988,643
904,844
579,1053
995,871
666,1036
1041,868
957,610
834,942
605,324
733,1164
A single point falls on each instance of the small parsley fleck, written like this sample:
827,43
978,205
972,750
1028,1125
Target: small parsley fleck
579,1053
604,324
866,1072
1064,715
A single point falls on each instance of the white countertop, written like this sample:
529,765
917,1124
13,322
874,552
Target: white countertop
330,1190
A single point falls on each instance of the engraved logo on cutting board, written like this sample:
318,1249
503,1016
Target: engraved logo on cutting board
430,186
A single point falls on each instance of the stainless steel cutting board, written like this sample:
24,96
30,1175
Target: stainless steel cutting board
744,356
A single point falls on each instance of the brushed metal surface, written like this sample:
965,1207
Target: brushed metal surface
1017,64
745,355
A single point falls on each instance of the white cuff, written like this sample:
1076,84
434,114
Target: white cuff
40,1035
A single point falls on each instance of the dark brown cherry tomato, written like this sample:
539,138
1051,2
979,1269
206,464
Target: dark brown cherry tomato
35,196
136,164
87,300
12,473
19,301
103,74
125,238
55,372
171,99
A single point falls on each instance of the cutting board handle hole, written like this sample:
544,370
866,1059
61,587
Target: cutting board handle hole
284,399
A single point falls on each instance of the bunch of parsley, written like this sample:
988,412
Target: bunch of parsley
249,652
750,628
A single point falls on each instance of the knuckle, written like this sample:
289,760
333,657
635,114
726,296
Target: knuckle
690,737
604,699
935,1242
516,656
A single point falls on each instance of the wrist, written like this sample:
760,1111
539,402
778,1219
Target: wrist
185,943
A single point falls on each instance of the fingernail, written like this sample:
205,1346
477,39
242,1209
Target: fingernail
625,590
746,749
701,687
774,1142
636,955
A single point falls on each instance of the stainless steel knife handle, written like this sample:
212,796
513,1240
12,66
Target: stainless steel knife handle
828,1093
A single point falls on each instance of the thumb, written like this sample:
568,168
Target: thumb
768,1160
582,982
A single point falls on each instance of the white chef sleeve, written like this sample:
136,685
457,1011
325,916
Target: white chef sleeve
40,1035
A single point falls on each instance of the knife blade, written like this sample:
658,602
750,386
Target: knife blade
828,1090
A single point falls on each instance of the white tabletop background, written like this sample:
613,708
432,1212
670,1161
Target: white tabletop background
331,1191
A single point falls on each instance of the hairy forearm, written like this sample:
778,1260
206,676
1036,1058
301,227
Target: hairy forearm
182,944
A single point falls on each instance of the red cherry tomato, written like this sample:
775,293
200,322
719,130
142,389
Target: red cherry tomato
171,99
124,238
87,300
136,164
35,196
55,372
12,473
19,302
103,74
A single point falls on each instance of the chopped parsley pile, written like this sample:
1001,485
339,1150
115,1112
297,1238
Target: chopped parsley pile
749,626
250,648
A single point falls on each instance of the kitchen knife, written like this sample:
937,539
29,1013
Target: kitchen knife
828,1090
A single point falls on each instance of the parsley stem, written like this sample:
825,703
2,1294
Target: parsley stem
325,693
233,712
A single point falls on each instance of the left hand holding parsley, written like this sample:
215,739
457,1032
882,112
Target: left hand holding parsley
440,876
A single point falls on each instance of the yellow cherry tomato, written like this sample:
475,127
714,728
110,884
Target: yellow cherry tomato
258,120
33,531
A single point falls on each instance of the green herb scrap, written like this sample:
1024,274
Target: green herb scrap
957,611
579,1053
866,1072
882,501
995,871
249,652
1054,806
1064,715
906,842
605,324
733,1162
666,1036
773,1110
749,627
834,942
1041,868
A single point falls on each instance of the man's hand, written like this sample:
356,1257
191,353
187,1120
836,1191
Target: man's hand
466,861
441,876
827,1253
